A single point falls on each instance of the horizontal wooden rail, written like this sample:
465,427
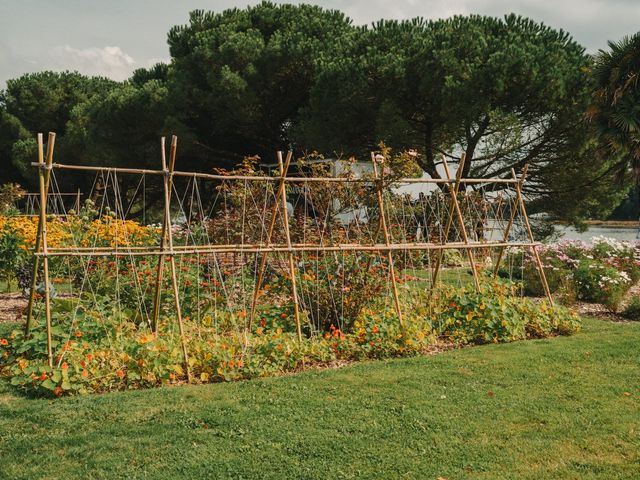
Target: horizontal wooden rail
53,252
261,178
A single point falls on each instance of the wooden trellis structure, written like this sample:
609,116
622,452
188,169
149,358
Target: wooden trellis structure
167,251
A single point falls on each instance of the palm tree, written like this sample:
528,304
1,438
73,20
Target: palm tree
616,106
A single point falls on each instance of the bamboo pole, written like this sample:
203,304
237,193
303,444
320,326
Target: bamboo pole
375,236
348,247
43,233
512,216
272,224
163,236
292,268
463,229
38,239
534,248
263,247
454,192
385,231
135,171
169,240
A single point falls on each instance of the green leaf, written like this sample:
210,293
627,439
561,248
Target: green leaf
49,384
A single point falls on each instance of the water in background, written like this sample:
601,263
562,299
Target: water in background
619,233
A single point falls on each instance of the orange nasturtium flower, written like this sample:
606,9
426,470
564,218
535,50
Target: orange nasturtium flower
4,341
120,374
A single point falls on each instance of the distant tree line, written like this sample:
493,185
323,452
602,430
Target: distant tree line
505,91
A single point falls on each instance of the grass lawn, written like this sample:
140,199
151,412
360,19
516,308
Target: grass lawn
530,410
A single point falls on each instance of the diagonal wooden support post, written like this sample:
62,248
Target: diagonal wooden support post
274,214
463,229
38,239
292,267
163,238
45,166
168,185
534,246
383,225
514,209
445,234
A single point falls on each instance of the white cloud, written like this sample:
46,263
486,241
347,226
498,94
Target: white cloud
107,61
152,61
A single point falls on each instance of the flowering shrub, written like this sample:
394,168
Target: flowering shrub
335,290
601,271
601,283
82,229
26,228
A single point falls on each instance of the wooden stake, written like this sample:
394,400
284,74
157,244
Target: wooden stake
163,235
534,248
292,268
463,229
383,224
38,240
512,216
272,224
168,185
43,232
445,236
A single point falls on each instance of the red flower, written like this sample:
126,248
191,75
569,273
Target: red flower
64,366
4,342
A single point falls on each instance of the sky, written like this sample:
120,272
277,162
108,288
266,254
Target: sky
114,37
